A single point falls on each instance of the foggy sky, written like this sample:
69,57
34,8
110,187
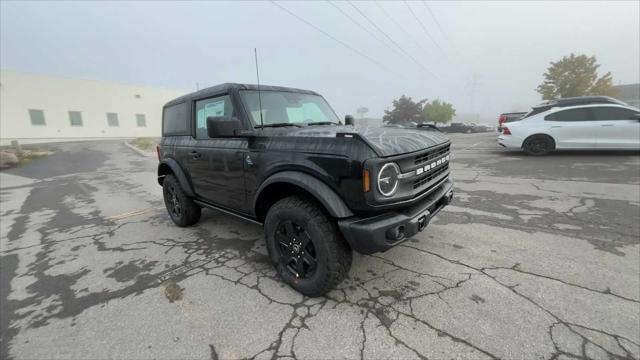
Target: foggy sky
504,46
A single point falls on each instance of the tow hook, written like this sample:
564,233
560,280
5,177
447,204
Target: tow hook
422,222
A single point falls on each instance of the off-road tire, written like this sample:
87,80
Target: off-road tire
189,212
332,252
538,145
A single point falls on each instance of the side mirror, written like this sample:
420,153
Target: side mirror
222,126
348,120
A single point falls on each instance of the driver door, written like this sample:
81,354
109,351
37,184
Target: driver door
216,164
617,128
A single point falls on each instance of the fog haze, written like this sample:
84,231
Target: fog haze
485,57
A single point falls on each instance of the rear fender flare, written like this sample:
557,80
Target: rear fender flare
177,171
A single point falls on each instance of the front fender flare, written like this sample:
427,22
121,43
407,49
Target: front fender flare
177,171
318,189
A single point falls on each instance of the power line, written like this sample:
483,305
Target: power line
401,27
424,28
336,39
435,20
371,33
392,41
458,54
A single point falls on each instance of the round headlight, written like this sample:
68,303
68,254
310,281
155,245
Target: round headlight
388,179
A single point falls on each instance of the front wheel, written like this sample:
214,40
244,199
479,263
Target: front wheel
306,246
538,145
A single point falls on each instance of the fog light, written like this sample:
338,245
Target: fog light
396,233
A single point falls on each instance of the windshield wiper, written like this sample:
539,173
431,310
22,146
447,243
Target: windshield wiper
321,123
283,124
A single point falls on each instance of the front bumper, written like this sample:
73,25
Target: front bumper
368,235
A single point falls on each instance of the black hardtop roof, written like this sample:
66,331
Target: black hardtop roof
226,87
570,101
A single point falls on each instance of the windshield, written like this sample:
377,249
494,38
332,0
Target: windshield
288,107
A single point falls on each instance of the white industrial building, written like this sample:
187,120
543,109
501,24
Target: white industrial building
39,108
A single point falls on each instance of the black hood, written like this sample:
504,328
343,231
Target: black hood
384,141
394,141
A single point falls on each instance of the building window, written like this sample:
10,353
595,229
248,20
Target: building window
37,117
75,118
112,119
141,120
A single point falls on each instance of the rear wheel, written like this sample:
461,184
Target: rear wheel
182,210
538,145
306,246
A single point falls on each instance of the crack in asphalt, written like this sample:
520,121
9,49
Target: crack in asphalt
607,291
556,317
593,226
201,252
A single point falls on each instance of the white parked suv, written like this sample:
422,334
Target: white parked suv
575,123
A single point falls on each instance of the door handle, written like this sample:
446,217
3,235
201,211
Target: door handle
606,125
195,154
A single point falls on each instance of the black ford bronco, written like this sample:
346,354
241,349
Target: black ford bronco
281,157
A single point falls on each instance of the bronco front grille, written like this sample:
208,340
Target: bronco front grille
428,156
434,174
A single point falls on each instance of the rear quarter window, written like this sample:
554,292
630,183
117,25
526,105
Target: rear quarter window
175,120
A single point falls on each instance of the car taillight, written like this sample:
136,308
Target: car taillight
502,119
158,152
506,131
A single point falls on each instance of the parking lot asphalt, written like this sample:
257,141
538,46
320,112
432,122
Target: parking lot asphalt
537,257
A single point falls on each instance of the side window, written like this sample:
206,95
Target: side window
569,115
612,113
174,120
217,106
112,119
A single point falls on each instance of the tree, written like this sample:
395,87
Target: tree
438,112
362,111
575,76
404,110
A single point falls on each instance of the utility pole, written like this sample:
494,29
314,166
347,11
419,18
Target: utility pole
472,97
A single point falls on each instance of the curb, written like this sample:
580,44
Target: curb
140,152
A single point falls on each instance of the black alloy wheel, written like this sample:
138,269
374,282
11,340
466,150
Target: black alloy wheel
296,250
539,145
306,246
173,203
181,208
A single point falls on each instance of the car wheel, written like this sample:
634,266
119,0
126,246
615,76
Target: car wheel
182,210
538,145
306,246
